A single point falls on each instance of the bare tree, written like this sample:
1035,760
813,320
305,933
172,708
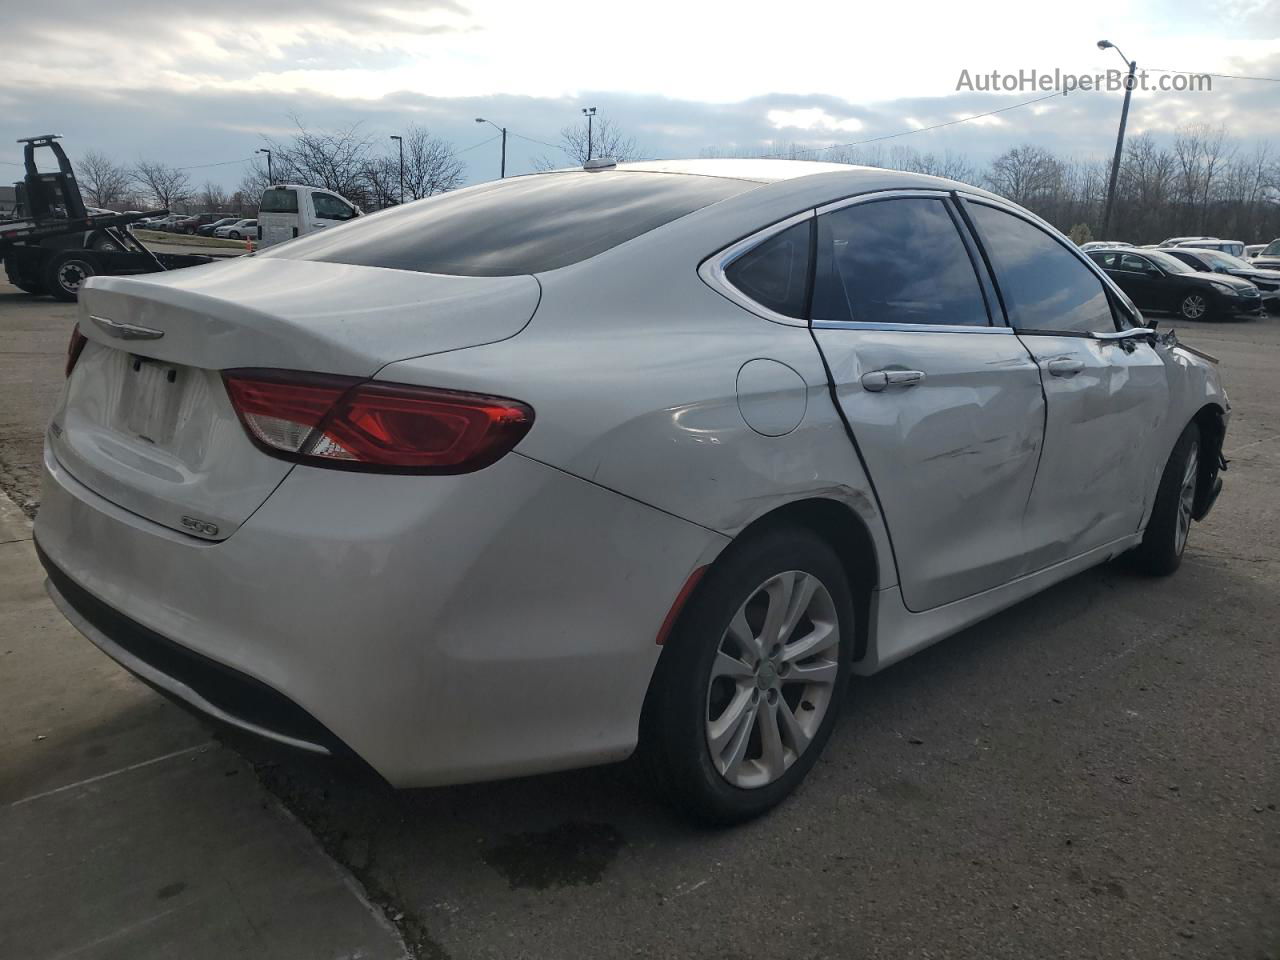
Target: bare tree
103,181
1025,174
335,160
382,182
213,198
165,185
254,181
607,140
430,165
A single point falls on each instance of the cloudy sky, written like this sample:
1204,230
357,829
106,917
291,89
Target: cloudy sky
201,84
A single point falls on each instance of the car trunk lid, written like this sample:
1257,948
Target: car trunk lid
146,422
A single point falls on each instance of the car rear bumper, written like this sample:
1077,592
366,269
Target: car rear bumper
195,681
444,629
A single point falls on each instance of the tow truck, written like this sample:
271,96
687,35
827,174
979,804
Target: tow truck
45,249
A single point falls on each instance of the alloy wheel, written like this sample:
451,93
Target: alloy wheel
1194,306
773,679
1187,498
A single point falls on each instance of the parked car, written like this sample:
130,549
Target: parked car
1174,241
1233,247
191,225
1103,245
512,478
1213,261
208,229
1269,257
1156,280
166,223
290,210
237,231
1253,249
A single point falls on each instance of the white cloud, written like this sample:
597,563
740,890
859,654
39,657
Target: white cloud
812,118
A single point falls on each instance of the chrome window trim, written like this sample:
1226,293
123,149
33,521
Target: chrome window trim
712,270
907,327
881,195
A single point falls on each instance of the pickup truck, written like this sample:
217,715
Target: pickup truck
291,210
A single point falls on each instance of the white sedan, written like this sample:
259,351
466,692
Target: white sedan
238,230
521,477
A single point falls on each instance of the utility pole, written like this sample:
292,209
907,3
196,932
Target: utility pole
1124,119
502,130
270,176
400,140
589,113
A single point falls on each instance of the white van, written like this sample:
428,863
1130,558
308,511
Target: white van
1233,247
291,210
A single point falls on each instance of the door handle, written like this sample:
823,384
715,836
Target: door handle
877,380
1065,368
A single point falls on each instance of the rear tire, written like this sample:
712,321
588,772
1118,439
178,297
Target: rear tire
67,273
769,706
1160,552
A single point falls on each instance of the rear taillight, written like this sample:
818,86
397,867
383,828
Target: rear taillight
74,348
354,424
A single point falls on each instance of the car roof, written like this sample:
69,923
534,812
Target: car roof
761,170
776,171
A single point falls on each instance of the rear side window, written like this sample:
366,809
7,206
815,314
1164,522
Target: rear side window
775,274
278,200
895,261
517,226
1045,288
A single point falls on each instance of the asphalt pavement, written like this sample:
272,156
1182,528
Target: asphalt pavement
1093,773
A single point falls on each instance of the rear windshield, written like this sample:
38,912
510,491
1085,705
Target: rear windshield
279,201
517,226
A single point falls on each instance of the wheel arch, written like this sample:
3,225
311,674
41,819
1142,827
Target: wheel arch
1212,422
844,531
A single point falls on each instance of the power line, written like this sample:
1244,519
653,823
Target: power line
553,146
480,144
220,163
1221,76
936,126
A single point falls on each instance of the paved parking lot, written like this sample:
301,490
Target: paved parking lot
1092,773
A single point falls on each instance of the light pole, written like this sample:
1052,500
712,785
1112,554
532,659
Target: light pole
503,131
400,140
270,176
1124,118
589,113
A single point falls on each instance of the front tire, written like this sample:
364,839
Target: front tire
1195,306
235,235
752,680
1160,552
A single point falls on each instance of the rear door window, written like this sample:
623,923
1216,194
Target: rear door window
1046,288
279,200
515,226
899,260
